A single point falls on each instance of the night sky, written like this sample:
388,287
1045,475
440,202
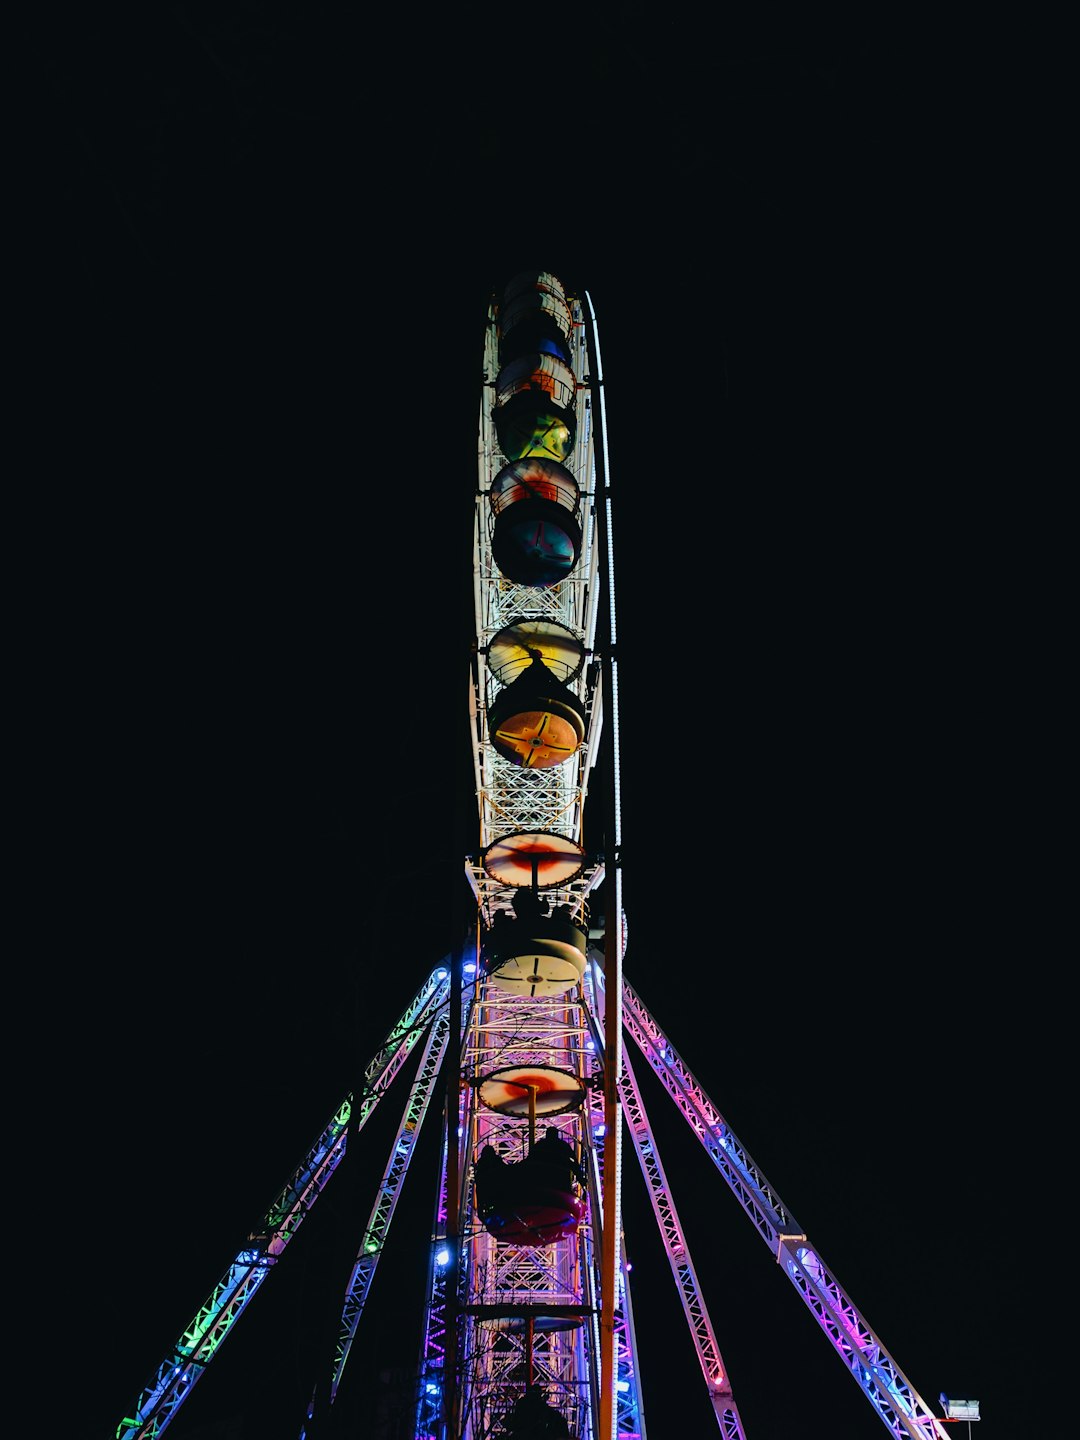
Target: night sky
273,247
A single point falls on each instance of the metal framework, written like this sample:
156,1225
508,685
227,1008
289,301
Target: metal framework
511,798
557,1315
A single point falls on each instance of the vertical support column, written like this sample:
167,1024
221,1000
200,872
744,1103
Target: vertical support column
451,1390
613,926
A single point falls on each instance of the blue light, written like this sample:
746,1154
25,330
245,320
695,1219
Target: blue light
622,1386
599,1130
443,1257
441,974
590,1044
470,967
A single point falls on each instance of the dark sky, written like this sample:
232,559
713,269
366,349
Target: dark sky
272,244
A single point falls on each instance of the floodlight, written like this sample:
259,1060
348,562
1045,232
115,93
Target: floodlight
959,1409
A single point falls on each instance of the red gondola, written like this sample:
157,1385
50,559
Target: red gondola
522,1209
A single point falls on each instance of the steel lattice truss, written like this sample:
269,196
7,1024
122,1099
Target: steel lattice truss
201,1339
555,1280
378,1226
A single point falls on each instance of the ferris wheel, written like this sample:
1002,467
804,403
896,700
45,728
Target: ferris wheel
528,1325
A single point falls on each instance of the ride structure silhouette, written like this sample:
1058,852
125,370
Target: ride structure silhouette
528,1300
